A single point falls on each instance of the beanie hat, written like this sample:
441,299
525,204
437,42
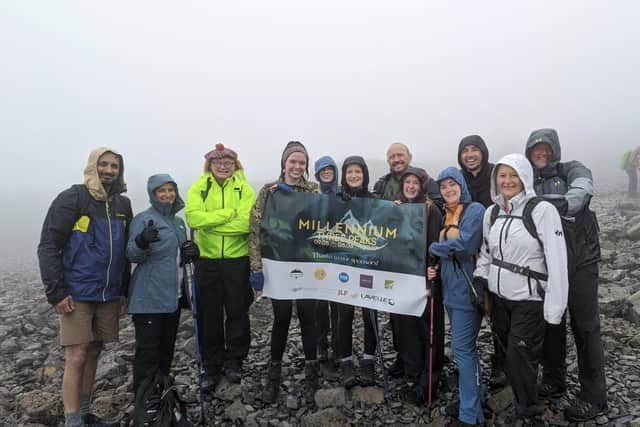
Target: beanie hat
293,147
221,151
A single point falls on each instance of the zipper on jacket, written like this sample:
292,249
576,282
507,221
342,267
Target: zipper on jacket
501,253
106,286
222,248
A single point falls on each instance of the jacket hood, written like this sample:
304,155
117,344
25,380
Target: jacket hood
354,160
478,142
455,174
156,181
523,168
547,136
92,180
321,163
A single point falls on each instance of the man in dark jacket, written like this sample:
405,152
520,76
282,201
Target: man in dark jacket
388,187
86,275
569,186
473,158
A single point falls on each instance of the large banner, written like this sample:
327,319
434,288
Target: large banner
363,252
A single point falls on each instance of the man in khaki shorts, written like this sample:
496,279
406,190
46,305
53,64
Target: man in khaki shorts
86,275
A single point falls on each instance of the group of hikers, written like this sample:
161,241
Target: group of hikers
515,240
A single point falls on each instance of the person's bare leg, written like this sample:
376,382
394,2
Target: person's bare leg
90,366
75,357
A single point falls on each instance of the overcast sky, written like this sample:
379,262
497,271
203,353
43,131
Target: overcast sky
163,82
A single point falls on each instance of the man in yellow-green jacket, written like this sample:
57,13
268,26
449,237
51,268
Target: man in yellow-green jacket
218,208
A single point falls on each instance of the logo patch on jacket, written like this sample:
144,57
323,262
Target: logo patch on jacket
82,224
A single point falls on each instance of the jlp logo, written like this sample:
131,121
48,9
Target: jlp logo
342,292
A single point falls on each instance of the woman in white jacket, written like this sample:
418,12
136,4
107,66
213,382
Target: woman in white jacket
526,275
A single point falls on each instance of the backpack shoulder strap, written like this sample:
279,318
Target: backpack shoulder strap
528,220
495,210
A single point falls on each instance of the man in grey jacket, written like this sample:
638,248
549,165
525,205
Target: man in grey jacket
569,186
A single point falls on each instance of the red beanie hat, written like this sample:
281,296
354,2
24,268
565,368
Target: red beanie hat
221,151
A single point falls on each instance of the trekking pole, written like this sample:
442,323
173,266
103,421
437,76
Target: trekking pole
433,261
189,268
374,324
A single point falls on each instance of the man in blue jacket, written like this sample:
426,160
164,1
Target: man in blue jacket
86,275
569,186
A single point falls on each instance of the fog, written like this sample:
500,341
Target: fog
163,82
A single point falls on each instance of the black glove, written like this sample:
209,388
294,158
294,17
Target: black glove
189,252
344,196
148,235
480,285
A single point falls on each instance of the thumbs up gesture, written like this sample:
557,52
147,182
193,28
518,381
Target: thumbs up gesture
147,235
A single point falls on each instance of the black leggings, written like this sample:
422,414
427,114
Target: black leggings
306,309
345,330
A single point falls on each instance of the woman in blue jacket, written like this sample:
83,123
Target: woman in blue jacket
459,243
157,244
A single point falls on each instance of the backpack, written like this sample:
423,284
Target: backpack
530,226
526,216
158,404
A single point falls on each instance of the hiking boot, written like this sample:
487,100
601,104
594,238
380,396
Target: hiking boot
513,420
348,374
310,380
583,411
455,422
233,372
328,369
414,394
452,409
367,372
548,391
498,378
91,420
396,370
274,378
210,382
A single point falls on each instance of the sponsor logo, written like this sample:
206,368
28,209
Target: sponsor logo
348,233
343,277
388,284
366,281
342,292
378,299
558,233
296,273
320,274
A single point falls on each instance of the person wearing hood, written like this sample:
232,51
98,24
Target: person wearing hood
414,340
218,208
569,186
458,245
522,301
294,171
388,188
157,245
355,183
326,172
473,158
86,274
631,164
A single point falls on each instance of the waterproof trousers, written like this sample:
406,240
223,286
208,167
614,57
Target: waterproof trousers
155,342
282,310
465,325
585,324
520,330
413,338
632,173
224,297
345,330
327,321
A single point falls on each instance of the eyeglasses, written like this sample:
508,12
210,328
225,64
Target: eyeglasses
223,163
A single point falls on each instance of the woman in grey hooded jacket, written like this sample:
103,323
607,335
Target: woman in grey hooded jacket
158,245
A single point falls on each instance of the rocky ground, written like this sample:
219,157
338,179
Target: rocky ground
31,363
